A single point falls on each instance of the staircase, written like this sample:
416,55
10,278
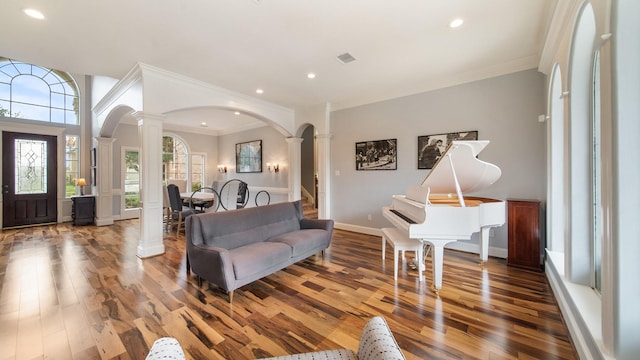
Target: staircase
309,211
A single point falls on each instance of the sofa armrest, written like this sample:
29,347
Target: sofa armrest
213,264
377,342
323,224
166,348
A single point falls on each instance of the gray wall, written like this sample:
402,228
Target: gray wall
274,150
503,109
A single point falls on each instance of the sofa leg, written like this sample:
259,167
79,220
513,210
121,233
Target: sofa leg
188,265
199,281
230,296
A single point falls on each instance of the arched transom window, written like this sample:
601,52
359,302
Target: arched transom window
36,93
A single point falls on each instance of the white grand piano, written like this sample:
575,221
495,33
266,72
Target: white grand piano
437,213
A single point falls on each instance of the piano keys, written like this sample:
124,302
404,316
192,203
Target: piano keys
436,212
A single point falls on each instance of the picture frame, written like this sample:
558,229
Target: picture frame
249,157
431,147
377,155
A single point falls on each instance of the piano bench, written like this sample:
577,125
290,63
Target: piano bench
400,243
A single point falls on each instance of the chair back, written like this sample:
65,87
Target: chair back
174,197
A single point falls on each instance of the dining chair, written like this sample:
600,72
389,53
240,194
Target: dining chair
205,203
166,208
178,211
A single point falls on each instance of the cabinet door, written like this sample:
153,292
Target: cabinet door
83,210
524,234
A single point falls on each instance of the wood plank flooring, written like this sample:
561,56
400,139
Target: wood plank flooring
81,293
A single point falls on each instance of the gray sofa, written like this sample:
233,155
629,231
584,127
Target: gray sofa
376,343
233,248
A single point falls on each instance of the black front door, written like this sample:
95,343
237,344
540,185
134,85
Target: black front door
29,179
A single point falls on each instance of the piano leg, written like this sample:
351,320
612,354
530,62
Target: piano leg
437,260
484,244
421,264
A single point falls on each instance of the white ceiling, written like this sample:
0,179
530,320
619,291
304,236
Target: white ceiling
401,47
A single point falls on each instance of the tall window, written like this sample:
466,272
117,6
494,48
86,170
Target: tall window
131,179
37,93
174,159
72,160
197,172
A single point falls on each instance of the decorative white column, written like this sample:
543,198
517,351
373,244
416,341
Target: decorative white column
150,135
323,142
103,173
295,181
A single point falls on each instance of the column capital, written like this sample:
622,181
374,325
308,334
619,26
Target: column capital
294,140
327,136
141,115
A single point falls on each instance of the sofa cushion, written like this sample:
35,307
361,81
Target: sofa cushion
258,257
303,241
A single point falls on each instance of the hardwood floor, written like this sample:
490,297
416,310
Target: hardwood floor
81,293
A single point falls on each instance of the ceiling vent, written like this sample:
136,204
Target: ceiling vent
345,58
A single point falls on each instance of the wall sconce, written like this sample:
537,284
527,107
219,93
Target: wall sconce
222,168
82,183
273,167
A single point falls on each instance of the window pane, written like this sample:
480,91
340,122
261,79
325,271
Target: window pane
71,117
68,88
31,166
4,108
8,70
131,179
30,90
56,87
57,100
51,78
197,172
57,116
5,91
72,158
174,159
23,68
39,72
32,112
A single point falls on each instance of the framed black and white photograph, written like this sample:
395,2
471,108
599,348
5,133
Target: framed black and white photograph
377,155
249,157
431,147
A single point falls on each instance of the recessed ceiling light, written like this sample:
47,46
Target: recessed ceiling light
33,13
237,112
259,91
311,75
456,23
203,124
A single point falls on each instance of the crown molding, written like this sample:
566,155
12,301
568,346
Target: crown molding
563,17
133,77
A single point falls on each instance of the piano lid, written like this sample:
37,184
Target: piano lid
472,174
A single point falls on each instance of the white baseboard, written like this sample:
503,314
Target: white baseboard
358,229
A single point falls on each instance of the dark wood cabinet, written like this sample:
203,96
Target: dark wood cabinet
83,209
525,234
